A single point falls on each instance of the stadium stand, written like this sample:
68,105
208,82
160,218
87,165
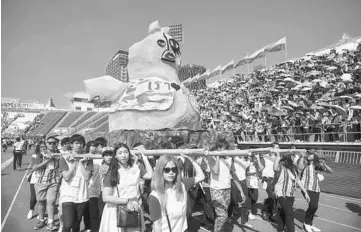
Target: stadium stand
47,123
83,118
70,118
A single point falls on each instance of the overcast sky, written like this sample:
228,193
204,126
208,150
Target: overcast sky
50,46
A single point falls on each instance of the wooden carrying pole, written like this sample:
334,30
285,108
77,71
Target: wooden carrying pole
202,152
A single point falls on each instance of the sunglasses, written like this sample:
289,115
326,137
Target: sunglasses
167,170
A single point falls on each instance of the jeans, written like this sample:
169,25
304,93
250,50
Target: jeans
285,215
32,197
18,157
312,206
91,215
72,215
253,196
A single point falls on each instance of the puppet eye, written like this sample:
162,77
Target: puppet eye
161,43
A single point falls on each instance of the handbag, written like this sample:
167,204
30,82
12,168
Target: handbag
320,177
126,218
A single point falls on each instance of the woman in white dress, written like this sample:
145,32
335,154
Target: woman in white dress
122,186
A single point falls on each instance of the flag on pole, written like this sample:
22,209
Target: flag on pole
277,46
242,62
228,67
215,72
204,75
256,55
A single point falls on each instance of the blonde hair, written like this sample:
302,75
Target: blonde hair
158,182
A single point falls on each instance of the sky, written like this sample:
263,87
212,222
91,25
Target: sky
48,47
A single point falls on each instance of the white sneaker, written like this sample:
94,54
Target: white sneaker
251,216
30,215
60,228
248,225
315,229
307,228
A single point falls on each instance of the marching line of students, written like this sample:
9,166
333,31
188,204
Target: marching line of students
90,190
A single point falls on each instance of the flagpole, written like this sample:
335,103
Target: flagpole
248,64
265,61
286,49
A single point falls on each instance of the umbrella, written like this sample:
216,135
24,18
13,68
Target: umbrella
316,107
324,104
276,112
346,77
306,89
355,107
292,103
347,97
287,107
339,109
358,95
331,68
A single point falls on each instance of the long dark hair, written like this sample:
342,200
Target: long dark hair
288,163
316,163
114,165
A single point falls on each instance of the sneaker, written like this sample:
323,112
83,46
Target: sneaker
60,228
205,228
307,228
51,226
251,216
39,225
30,215
315,229
247,225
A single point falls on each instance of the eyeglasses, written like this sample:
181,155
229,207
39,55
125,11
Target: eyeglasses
52,143
167,170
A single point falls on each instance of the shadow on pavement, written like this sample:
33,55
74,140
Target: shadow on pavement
354,208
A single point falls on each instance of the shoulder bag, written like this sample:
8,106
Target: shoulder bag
126,218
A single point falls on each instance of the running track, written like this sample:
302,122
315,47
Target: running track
335,213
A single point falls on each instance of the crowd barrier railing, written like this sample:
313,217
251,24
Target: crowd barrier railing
287,134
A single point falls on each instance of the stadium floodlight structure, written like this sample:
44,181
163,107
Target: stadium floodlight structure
176,31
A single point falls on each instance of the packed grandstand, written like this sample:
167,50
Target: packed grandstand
318,94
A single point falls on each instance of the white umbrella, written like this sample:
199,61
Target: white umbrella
346,77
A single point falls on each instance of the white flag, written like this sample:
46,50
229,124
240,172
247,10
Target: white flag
277,46
215,72
228,67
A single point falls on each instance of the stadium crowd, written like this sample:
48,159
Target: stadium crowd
317,95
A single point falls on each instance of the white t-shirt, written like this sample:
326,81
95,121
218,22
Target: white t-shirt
19,146
268,167
241,171
223,180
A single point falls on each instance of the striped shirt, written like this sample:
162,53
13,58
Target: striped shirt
286,183
103,170
50,174
309,178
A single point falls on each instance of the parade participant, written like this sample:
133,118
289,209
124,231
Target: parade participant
311,177
100,142
33,176
220,184
268,178
107,154
122,186
74,194
252,178
18,153
240,166
47,186
65,145
91,211
145,187
168,199
285,186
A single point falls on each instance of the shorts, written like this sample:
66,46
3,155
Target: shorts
46,192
